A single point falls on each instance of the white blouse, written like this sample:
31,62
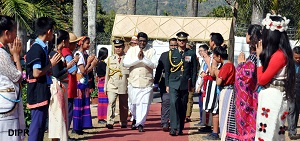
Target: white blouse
9,75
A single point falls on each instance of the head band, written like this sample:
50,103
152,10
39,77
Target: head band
275,25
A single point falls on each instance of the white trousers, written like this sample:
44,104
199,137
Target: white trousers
140,112
140,100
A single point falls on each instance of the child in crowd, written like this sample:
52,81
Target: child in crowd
102,96
38,67
82,113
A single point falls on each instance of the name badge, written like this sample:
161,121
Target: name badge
187,58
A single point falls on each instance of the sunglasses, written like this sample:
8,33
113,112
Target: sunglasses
181,40
173,45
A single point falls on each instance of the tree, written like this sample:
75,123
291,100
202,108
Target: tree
258,8
92,6
257,12
77,17
131,7
25,12
221,11
192,8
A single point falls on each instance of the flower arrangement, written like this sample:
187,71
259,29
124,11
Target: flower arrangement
275,25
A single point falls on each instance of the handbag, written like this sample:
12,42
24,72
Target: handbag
82,78
13,101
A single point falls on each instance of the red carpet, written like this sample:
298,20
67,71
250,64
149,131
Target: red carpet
152,127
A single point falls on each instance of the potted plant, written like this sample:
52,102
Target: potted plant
94,96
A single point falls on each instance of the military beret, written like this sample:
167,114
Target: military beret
182,35
118,42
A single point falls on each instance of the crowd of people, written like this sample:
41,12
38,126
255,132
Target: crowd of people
250,101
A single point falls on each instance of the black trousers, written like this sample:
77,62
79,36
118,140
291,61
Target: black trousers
165,108
178,105
70,111
293,116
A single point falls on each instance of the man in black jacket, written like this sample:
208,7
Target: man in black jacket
181,71
159,81
294,104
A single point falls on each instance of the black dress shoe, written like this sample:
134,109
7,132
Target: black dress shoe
133,127
180,132
141,128
109,126
133,121
78,132
173,132
123,126
206,129
166,127
188,119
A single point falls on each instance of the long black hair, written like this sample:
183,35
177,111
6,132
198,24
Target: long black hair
254,31
6,23
61,35
217,38
222,51
102,53
271,42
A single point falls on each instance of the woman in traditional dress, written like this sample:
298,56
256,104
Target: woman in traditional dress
241,124
58,108
11,105
72,82
82,113
102,97
225,80
276,75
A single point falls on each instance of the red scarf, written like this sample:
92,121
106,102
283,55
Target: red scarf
205,79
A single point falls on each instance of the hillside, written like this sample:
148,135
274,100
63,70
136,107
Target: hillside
172,7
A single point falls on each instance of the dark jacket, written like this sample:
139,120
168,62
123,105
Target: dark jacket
178,79
159,79
38,91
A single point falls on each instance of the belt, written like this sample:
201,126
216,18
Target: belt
227,87
7,90
278,84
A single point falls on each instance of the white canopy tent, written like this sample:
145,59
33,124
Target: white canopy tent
166,27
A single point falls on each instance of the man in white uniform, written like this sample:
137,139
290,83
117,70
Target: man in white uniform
141,61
